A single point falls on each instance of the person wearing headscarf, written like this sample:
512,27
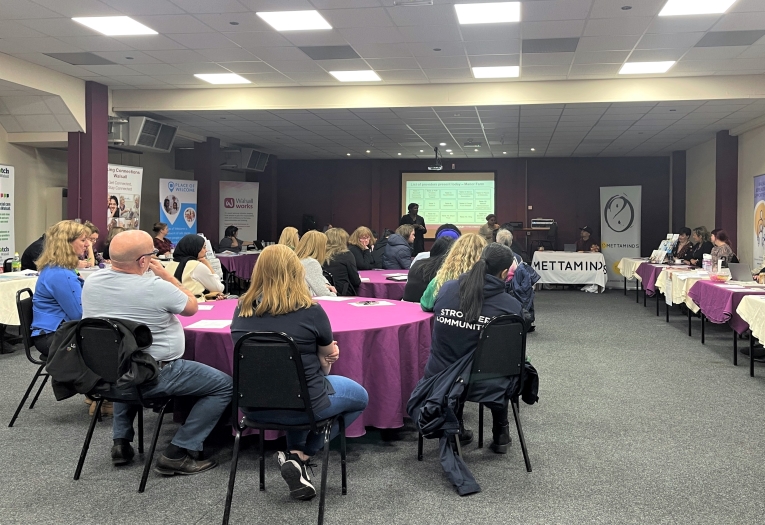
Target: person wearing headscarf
191,267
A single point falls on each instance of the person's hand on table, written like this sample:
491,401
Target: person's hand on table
84,264
693,261
332,289
594,248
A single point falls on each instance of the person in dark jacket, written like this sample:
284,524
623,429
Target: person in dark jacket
379,250
423,271
340,263
418,245
521,279
360,244
701,245
462,308
32,253
398,252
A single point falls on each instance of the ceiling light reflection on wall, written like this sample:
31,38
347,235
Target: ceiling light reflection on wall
222,78
695,7
294,20
496,72
115,25
642,68
366,75
488,13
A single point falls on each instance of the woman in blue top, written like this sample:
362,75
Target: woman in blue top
58,290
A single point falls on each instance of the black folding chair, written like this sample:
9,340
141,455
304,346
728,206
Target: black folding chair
269,375
228,280
24,307
99,342
328,277
501,353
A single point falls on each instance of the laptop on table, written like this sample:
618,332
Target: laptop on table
740,272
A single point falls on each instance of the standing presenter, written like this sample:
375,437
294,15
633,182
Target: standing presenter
419,228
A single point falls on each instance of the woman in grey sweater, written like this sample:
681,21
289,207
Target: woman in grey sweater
312,252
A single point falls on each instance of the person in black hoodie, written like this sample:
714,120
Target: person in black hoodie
398,252
379,248
340,263
701,245
360,244
462,308
423,271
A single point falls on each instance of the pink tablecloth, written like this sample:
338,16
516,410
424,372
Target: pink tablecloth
648,274
383,348
379,286
241,264
719,304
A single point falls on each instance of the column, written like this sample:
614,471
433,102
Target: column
207,161
726,184
678,190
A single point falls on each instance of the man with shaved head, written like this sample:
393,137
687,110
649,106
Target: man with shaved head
138,288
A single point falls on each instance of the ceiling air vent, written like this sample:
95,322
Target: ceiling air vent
151,134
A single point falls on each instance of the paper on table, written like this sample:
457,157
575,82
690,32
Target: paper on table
364,279
372,303
330,298
731,286
395,274
205,307
210,323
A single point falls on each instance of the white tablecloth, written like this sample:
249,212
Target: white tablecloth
678,282
752,310
570,268
8,288
628,265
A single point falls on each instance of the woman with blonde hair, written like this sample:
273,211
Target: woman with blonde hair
463,254
312,252
113,231
289,237
89,258
360,244
340,263
58,291
279,301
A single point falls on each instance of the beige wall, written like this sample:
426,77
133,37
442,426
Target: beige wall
751,162
36,170
700,186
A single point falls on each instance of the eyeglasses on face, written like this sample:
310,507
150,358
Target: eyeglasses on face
150,254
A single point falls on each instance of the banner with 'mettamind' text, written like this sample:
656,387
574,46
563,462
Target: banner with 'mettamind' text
620,216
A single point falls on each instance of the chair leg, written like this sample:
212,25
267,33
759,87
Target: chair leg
703,326
419,446
480,425
140,431
325,464
735,348
457,442
625,286
232,478
152,447
39,391
343,451
88,437
520,436
262,434
689,322
751,355
26,395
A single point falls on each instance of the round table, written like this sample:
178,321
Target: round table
241,263
383,348
379,286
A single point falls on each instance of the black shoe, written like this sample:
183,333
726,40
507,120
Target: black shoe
501,439
294,472
758,354
532,328
122,454
466,435
186,466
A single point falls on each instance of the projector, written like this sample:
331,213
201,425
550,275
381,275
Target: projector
435,168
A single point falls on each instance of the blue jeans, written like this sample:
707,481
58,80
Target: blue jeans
180,378
350,399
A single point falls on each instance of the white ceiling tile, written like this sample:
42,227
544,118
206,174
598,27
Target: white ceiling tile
149,42
194,68
450,62
178,80
36,123
713,53
111,71
247,67
492,60
371,35
121,57
382,50
441,15
313,38
42,45
607,43
203,41
72,8
296,66
156,69
656,55
26,105
613,8
444,49
311,76
177,56
682,24
358,17
56,105
95,43
227,55
490,32
547,59
670,41
555,10
601,57
553,29
440,74
68,123
257,39
59,26
428,34
270,54
144,7
205,6
242,22
741,22
754,52
611,27
381,64
595,69
10,124
493,47
23,10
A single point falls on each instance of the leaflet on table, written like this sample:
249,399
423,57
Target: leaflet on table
668,291
210,323
330,298
364,279
396,275
205,307
372,303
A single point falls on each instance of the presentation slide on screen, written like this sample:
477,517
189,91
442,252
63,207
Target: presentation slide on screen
463,199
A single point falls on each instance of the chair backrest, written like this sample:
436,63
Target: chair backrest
8,265
501,350
269,375
99,343
328,277
24,308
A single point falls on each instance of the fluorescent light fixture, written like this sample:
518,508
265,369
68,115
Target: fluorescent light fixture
497,72
369,151
533,149
442,144
399,153
475,149
448,151
348,154
222,78
504,153
695,7
642,68
365,75
115,25
488,13
422,151
294,20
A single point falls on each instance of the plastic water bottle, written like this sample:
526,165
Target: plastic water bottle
16,264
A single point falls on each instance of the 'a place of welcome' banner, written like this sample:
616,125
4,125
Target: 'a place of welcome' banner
758,248
178,207
124,184
239,207
7,239
620,217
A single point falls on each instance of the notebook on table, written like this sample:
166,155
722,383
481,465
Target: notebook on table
569,247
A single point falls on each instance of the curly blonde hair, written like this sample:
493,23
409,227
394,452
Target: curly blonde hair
337,242
289,237
463,254
58,249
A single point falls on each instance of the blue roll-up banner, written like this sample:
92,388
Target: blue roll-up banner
178,207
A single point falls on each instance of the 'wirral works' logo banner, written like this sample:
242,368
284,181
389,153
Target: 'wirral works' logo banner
620,217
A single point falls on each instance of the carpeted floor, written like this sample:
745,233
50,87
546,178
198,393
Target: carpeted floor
637,423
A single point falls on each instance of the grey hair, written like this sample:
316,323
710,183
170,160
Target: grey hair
505,237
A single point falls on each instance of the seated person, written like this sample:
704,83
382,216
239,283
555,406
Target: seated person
230,242
379,248
478,296
586,243
701,245
361,244
722,249
90,258
161,242
423,271
517,250
289,237
463,254
489,230
58,291
684,246
340,263
398,252
191,267
449,231
113,231
521,279
267,306
312,252
155,300
32,253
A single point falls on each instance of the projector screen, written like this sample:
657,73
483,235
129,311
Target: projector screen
462,199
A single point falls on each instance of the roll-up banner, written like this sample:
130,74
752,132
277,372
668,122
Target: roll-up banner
124,207
178,207
758,247
620,227
239,207
7,237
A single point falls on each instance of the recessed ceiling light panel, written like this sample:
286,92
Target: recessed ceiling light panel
365,75
643,68
497,72
222,78
294,20
488,13
115,25
695,7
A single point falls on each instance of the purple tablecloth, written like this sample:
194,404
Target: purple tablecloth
383,348
241,264
648,274
718,304
379,286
